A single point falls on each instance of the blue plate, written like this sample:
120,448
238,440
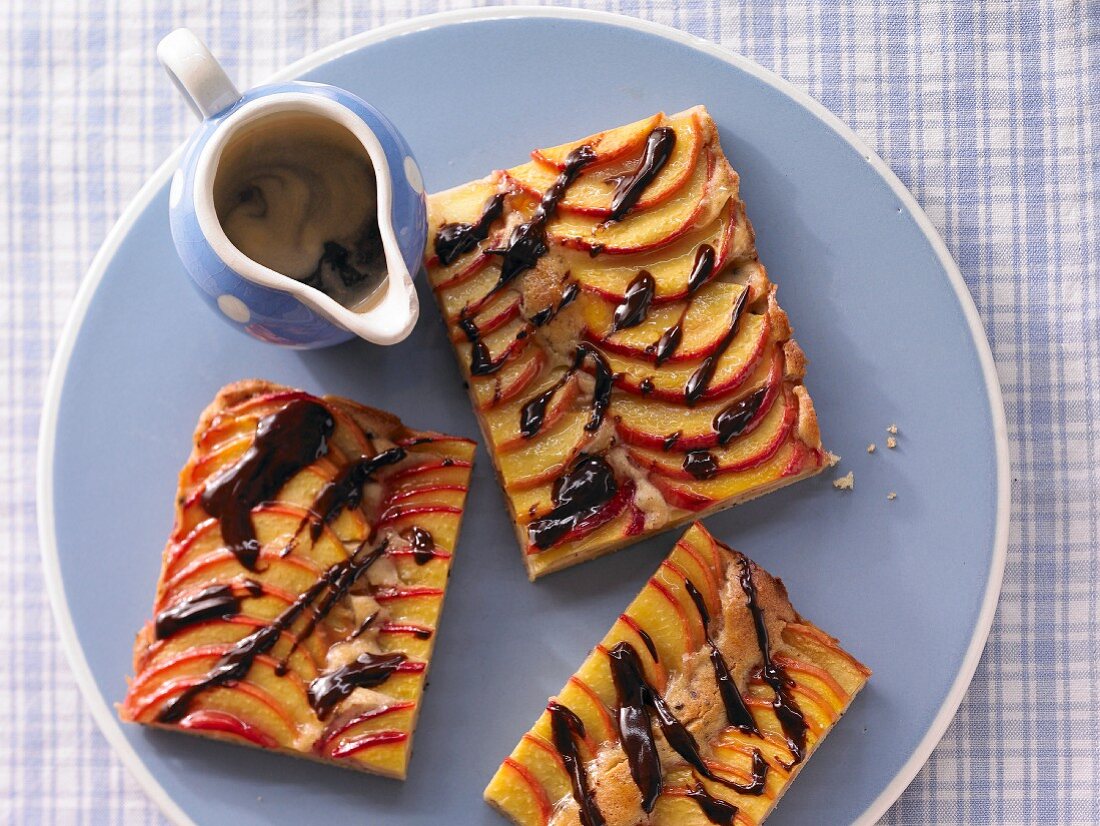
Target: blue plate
909,586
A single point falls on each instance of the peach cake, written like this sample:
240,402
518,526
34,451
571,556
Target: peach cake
627,359
700,706
302,583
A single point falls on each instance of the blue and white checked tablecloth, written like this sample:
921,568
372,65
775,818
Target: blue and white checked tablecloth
988,111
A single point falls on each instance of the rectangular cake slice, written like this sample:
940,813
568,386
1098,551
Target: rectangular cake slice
302,583
700,706
626,356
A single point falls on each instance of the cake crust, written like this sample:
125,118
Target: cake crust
707,611
315,639
606,304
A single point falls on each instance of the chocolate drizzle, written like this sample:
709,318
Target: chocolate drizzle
701,271
732,421
635,304
527,243
648,642
759,776
453,240
482,362
215,602
547,314
533,413
637,699
605,380
716,811
363,626
635,727
668,342
700,380
702,268
700,464
566,728
786,709
658,147
422,543
366,671
737,713
670,440
286,441
235,664
578,495
345,490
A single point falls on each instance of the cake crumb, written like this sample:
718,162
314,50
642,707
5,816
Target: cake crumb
871,447
891,496
845,482
892,430
891,442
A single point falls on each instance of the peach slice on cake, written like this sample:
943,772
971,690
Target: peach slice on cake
700,706
790,462
733,364
670,266
700,324
301,588
697,202
593,192
606,146
510,381
625,352
642,420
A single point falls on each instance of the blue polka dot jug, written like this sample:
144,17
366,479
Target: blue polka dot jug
264,303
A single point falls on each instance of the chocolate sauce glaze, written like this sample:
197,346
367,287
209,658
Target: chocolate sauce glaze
453,240
701,271
533,412
285,442
565,729
658,147
578,494
634,307
235,664
525,246
700,380
215,602
366,671
639,705
422,542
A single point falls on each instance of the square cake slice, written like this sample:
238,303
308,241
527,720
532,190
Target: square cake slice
627,359
700,706
301,586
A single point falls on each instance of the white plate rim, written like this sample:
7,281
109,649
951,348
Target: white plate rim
51,563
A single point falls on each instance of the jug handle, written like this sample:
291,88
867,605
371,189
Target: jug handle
196,73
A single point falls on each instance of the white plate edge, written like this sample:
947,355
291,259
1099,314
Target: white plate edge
101,712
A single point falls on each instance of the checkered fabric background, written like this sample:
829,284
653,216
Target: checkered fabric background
988,111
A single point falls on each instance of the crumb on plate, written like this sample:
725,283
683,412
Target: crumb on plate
891,496
871,447
845,482
891,442
892,429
